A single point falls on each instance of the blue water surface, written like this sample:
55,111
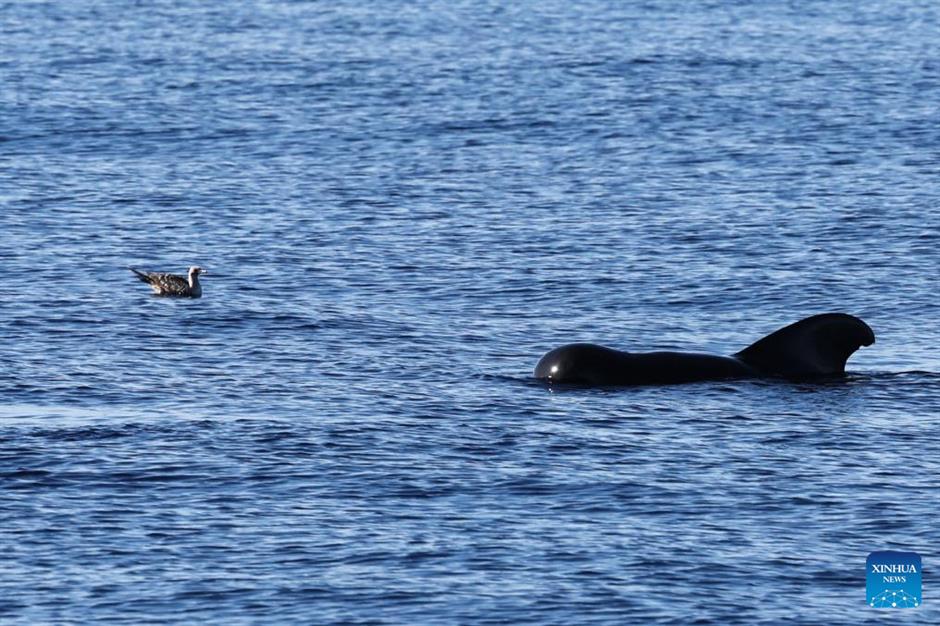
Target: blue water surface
402,206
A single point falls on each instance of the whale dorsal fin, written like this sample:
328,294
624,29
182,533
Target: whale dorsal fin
816,346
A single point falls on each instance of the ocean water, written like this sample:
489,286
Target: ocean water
402,206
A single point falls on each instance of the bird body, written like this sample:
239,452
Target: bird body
164,284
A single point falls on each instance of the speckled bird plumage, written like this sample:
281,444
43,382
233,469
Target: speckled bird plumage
164,284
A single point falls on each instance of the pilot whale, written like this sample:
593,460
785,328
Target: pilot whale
815,347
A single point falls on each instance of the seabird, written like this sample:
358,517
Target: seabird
164,284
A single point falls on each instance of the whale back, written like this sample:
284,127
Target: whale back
816,346
590,364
